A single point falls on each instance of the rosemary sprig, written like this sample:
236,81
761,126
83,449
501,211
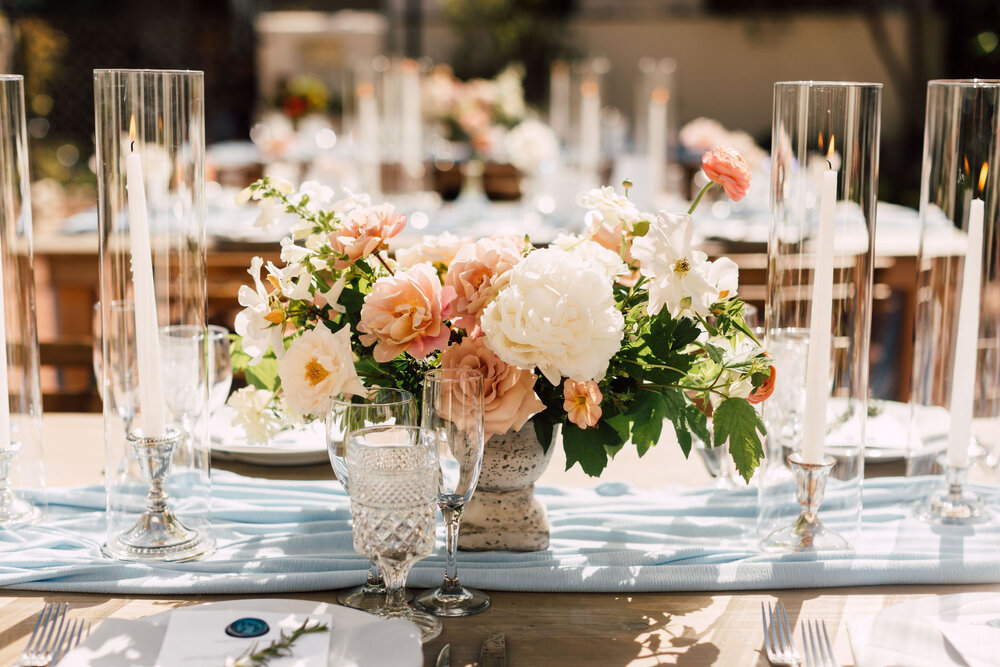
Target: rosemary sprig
278,648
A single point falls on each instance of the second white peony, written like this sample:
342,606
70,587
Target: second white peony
557,313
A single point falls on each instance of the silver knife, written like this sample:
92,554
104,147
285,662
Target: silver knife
494,651
444,657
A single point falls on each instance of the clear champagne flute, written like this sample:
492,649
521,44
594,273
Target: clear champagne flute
220,367
122,357
394,477
452,409
183,358
378,407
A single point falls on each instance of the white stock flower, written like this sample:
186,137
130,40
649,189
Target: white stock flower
318,365
291,253
531,143
680,277
319,195
607,260
258,333
615,209
253,414
556,313
437,250
293,280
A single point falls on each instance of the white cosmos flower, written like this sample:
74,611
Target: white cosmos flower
680,277
319,364
608,260
556,313
252,325
253,414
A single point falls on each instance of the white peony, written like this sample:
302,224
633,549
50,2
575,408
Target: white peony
531,143
254,414
608,260
680,277
318,365
258,332
557,313
438,250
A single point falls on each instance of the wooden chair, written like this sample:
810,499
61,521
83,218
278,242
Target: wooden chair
67,369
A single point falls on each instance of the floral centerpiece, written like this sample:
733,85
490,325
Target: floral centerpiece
302,95
608,334
477,111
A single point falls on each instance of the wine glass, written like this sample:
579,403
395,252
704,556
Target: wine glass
220,367
394,477
184,373
377,407
122,355
452,409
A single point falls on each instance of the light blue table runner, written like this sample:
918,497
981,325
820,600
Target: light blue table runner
279,536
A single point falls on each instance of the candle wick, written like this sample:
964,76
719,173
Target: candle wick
829,165
131,146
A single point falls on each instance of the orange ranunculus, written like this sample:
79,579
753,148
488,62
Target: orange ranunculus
761,393
727,167
582,402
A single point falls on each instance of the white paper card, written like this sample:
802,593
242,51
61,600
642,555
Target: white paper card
198,637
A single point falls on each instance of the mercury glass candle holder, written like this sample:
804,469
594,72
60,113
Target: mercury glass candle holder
150,138
956,354
22,488
817,320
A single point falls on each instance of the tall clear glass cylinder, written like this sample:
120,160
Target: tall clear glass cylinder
22,495
955,395
824,182
150,134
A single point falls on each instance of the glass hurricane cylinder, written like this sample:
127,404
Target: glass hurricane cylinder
22,495
955,389
151,171
824,180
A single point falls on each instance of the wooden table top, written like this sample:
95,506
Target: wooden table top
542,628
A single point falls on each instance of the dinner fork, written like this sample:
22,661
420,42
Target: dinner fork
818,650
74,634
778,637
45,636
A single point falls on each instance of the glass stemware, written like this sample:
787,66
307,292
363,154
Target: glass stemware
124,372
394,475
378,407
220,367
452,409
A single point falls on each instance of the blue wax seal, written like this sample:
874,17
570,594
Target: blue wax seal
247,627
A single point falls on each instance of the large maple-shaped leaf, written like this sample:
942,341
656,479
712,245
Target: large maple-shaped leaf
735,420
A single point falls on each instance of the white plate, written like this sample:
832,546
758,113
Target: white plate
356,639
289,448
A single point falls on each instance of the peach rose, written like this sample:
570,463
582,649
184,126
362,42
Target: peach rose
406,313
582,402
364,231
727,167
763,392
509,398
477,273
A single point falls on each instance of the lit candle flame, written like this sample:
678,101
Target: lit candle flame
660,95
365,89
982,176
588,89
132,132
965,160
819,142
831,150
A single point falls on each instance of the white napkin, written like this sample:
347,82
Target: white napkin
936,631
197,637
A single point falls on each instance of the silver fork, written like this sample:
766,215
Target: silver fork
75,633
45,636
818,649
778,636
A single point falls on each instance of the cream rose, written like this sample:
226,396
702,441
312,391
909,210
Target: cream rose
509,398
557,313
318,365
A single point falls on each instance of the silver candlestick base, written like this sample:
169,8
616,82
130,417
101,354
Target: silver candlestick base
953,505
158,535
807,533
14,511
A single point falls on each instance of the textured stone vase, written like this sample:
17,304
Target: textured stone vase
503,513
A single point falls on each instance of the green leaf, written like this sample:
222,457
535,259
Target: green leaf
587,446
543,431
715,353
735,420
676,407
265,374
698,422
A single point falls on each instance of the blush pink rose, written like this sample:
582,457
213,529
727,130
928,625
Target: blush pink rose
727,167
477,273
406,313
364,231
509,398
582,402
